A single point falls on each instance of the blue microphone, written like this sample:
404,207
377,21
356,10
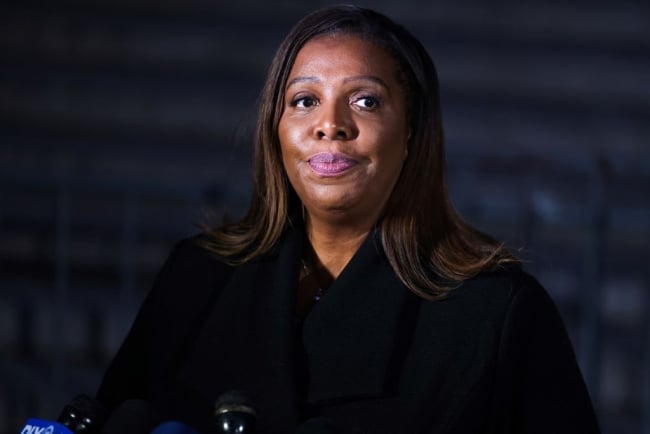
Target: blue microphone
39,426
83,415
173,427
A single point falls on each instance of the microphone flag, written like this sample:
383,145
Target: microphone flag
39,426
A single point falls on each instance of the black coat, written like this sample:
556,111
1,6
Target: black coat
493,357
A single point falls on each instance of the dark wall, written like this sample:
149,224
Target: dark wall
122,123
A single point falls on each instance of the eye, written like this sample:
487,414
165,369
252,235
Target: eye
367,102
304,102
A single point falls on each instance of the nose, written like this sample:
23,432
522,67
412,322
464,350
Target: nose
335,122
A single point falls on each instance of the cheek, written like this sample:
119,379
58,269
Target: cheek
391,157
289,152
389,147
289,139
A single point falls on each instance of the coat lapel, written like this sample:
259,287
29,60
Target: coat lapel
247,341
357,336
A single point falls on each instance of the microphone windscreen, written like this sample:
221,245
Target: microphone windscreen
133,416
234,413
234,400
319,425
83,415
173,427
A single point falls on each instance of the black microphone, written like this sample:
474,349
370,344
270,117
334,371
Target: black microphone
83,415
133,416
319,425
234,413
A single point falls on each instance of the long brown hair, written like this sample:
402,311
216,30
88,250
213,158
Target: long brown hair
427,243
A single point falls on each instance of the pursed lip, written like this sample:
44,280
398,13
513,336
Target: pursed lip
331,164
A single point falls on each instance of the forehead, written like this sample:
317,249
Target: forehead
343,54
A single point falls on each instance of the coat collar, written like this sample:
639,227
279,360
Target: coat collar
354,339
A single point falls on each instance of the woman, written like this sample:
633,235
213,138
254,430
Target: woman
351,290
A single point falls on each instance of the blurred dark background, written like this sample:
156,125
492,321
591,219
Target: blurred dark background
123,122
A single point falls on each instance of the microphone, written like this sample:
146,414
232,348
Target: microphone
234,413
133,416
39,426
83,415
173,427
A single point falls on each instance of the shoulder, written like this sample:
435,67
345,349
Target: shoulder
492,303
502,288
519,307
505,327
189,277
191,253
191,262
537,371
509,280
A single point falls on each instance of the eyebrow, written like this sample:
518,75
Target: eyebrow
295,80
313,79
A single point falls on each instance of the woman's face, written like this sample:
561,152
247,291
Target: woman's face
343,132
